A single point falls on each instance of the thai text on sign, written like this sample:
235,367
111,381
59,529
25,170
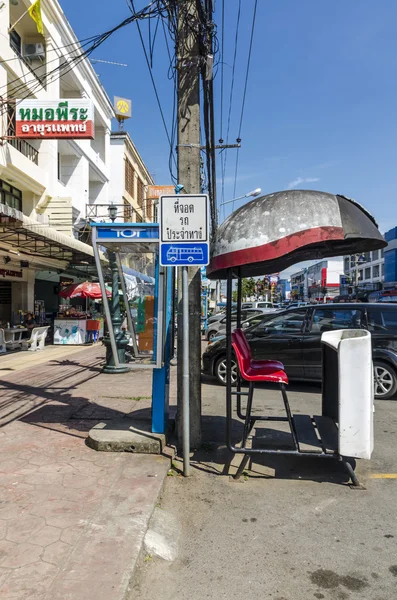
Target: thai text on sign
73,118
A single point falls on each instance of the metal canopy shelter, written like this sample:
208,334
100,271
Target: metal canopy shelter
31,237
269,234
275,231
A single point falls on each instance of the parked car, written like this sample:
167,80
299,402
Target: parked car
264,304
293,336
216,328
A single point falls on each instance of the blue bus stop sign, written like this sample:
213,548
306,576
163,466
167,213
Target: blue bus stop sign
184,239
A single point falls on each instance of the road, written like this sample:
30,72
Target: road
291,529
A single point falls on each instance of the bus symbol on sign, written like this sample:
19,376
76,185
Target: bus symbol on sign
192,254
175,255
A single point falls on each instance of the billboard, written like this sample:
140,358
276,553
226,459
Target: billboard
54,119
155,191
122,108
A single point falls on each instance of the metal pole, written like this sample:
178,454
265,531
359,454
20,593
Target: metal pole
185,374
188,113
130,323
105,298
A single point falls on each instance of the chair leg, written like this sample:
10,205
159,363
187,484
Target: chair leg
247,424
242,466
289,415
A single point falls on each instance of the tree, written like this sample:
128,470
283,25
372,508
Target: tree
248,287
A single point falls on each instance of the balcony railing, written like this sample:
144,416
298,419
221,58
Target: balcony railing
26,149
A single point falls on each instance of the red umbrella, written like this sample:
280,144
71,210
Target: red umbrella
86,289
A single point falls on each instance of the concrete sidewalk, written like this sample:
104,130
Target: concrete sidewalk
72,520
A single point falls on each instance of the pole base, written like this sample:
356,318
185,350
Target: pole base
115,370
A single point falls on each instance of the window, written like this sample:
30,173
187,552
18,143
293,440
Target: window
140,193
375,271
375,254
15,42
10,196
367,256
129,178
149,208
383,269
360,274
367,273
382,319
290,322
330,319
127,211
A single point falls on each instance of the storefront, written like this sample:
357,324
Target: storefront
36,261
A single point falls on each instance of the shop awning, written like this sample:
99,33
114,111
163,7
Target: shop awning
141,276
24,234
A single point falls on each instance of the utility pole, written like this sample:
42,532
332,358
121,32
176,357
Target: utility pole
188,68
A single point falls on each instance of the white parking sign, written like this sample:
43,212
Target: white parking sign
184,230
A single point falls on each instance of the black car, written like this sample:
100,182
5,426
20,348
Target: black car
294,337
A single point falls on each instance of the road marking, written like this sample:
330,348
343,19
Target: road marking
383,476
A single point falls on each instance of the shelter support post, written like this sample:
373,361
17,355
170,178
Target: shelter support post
185,373
161,376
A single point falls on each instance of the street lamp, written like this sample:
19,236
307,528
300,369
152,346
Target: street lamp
358,259
252,194
112,212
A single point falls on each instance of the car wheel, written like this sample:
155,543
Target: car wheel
221,371
211,335
385,380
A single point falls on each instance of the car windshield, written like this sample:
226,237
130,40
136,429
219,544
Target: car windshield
288,321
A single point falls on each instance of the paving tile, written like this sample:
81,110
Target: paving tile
33,579
44,478
45,536
21,555
57,553
77,516
78,481
5,548
70,535
19,529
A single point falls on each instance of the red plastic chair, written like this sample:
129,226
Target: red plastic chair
271,371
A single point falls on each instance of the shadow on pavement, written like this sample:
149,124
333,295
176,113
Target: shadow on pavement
215,458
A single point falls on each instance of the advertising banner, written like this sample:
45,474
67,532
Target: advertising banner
54,119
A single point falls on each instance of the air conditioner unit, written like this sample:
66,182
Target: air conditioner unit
35,50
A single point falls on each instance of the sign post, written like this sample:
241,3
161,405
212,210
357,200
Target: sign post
184,242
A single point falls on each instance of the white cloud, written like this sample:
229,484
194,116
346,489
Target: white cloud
299,180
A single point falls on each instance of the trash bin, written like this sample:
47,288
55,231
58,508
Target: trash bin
348,389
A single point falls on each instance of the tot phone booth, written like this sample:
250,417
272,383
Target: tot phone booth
127,254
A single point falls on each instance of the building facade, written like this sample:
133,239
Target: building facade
129,181
367,270
390,259
318,283
45,184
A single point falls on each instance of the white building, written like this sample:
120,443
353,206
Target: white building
129,180
45,184
370,266
319,282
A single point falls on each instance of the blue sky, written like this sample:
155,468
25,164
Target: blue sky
322,95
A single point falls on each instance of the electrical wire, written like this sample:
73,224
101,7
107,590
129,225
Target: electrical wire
224,162
222,67
244,96
154,84
146,12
